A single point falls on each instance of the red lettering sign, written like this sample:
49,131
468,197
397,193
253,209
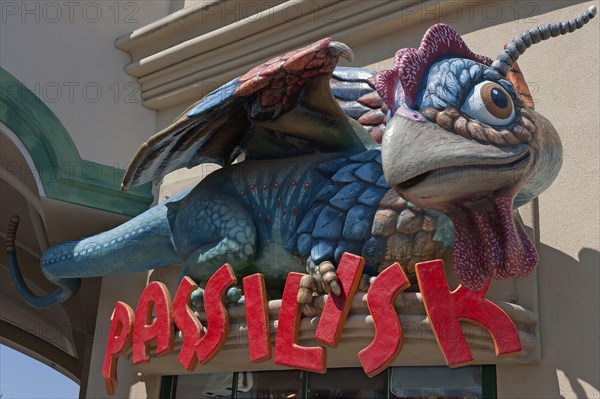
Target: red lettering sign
287,351
257,318
216,315
155,295
445,309
119,340
335,312
188,323
388,340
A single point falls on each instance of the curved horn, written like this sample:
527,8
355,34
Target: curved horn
519,44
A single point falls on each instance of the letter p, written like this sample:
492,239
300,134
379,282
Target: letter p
119,340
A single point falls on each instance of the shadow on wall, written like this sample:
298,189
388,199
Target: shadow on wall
569,300
569,303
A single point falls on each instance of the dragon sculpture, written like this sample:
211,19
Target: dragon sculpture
427,159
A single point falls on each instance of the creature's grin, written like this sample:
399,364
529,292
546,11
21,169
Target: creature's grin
413,181
457,170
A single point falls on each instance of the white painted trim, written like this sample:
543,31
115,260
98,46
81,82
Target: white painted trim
17,142
22,189
39,226
34,204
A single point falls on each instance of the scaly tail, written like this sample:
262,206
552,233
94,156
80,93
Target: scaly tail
142,243
67,286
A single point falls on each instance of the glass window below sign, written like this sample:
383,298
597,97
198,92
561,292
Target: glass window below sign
204,386
436,382
472,382
346,383
270,385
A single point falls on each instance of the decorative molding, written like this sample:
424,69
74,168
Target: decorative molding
64,175
176,60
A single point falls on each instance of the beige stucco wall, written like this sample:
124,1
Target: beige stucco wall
64,53
565,85
563,78
563,75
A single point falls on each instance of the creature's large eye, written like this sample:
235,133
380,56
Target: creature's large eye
489,103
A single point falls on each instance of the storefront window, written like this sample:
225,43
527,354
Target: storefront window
270,385
217,385
250,385
397,382
436,382
346,383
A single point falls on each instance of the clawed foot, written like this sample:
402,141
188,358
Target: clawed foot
325,280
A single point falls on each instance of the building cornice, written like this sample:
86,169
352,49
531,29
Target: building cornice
176,60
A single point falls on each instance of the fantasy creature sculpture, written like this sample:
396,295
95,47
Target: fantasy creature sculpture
428,157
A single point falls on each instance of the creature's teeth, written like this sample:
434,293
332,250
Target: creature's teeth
444,120
512,139
525,113
450,119
527,124
460,127
453,112
476,131
501,137
430,113
491,132
521,133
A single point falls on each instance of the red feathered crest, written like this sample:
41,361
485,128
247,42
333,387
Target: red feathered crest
410,64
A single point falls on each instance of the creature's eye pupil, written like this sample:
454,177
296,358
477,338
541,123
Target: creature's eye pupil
499,98
496,100
489,102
